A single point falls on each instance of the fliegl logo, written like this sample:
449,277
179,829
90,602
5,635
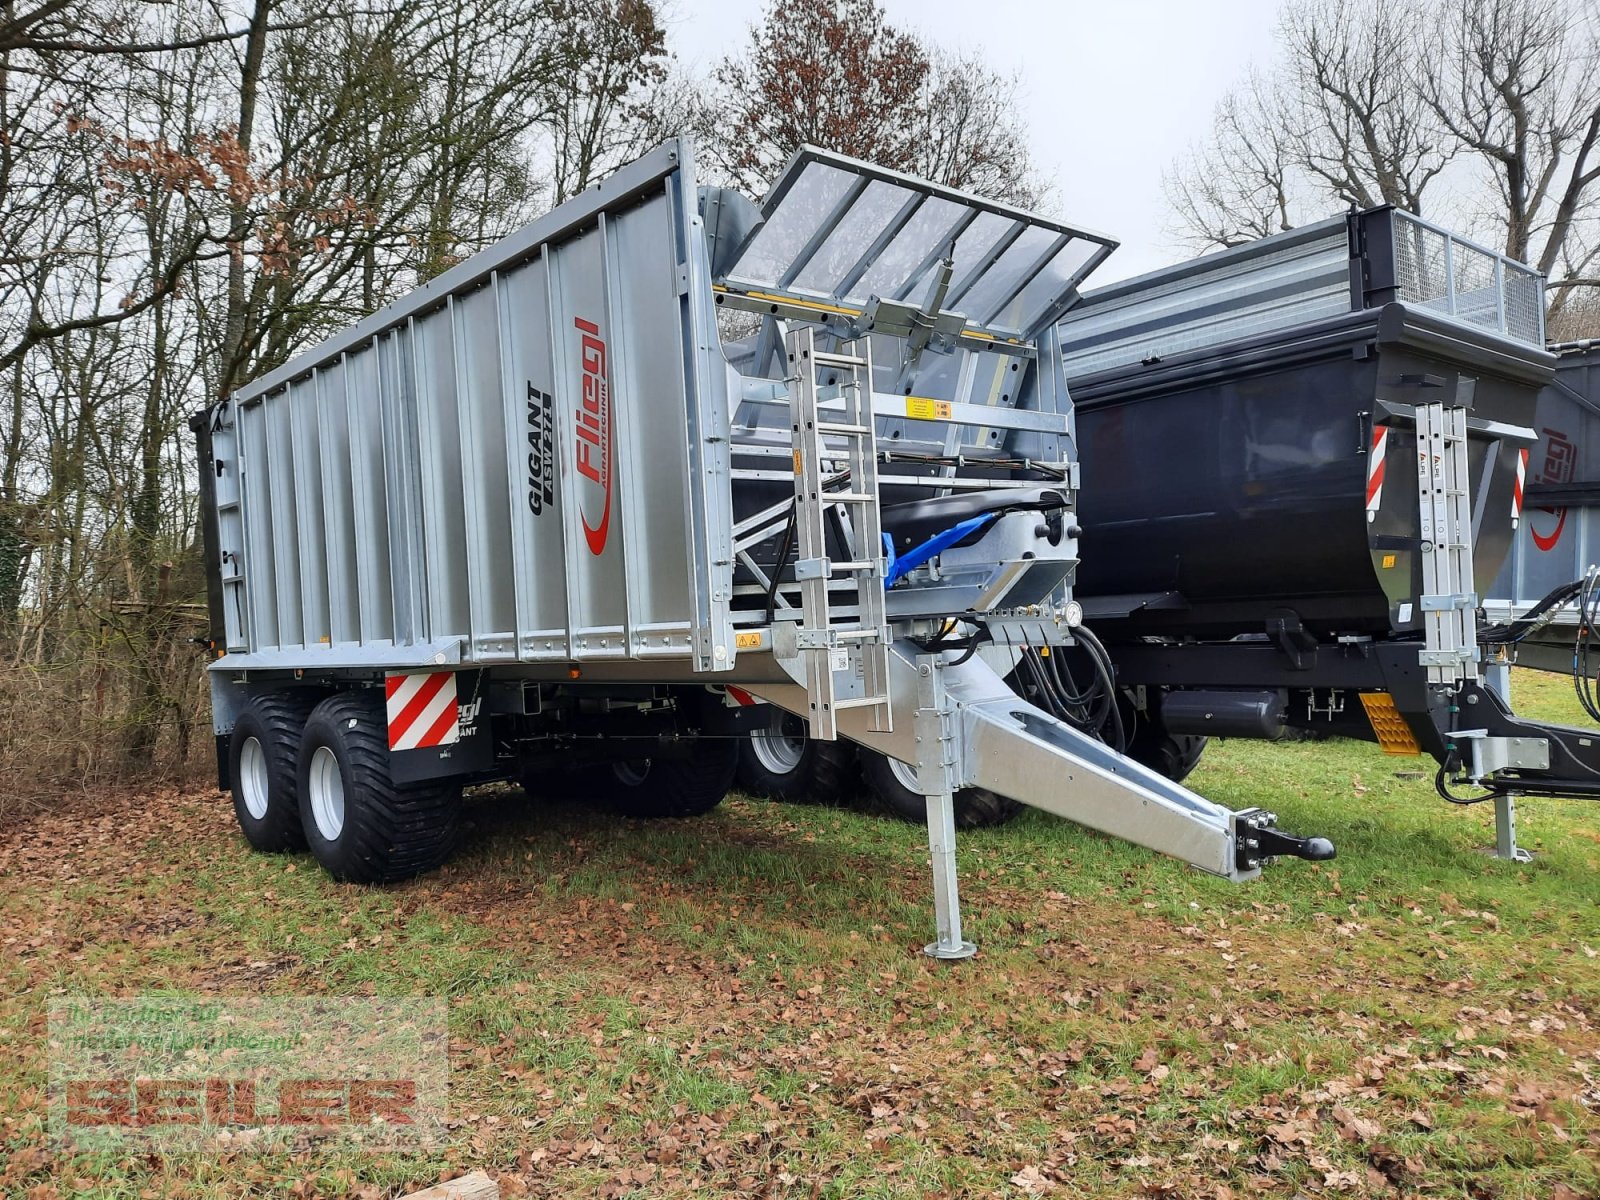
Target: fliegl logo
595,441
1560,466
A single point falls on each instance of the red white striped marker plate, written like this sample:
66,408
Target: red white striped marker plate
1380,441
423,710
1516,490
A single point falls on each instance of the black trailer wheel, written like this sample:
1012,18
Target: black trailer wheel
780,762
674,786
358,823
263,755
1171,754
892,786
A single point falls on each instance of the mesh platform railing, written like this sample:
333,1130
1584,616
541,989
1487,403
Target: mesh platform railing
1435,269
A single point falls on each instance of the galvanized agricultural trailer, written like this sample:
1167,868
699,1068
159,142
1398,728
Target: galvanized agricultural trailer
531,520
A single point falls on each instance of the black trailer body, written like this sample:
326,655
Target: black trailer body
1270,501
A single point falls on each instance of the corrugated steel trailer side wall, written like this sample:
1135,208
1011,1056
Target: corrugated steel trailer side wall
524,460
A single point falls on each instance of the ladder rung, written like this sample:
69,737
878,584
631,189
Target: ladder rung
848,497
861,565
840,428
837,360
842,633
860,702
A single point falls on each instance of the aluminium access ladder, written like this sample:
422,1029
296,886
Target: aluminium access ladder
846,658
1444,507
1449,602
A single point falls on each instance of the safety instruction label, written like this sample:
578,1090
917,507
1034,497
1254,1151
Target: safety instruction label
750,640
923,409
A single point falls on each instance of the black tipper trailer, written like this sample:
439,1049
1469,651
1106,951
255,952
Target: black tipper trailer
1304,463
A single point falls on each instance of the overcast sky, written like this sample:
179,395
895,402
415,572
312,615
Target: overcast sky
1114,90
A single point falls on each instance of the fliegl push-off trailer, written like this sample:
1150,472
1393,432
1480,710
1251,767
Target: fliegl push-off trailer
533,518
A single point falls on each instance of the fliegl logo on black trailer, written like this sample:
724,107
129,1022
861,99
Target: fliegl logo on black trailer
541,451
593,452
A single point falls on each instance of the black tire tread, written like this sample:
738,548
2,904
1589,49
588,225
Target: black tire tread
1171,755
826,775
833,773
975,808
395,832
679,787
282,718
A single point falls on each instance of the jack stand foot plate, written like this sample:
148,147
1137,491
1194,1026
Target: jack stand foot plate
952,953
1518,854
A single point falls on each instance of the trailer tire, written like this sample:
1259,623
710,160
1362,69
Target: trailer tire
360,826
689,786
780,762
263,762
1171,754
889,784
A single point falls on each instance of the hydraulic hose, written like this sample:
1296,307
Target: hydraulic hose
1092,709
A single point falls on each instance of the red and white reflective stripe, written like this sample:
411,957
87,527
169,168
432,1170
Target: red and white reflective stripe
1380,442
423,710
740,697
1516,490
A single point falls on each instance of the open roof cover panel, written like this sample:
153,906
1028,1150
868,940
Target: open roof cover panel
837,232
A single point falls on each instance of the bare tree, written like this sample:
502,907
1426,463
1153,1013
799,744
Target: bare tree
1338,121
603,117
1241,185
1373,101
1358,126
968,131
191,193
1517,84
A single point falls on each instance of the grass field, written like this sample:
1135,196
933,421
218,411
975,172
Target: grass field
738,1005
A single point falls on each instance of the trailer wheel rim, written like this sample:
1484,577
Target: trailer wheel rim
253,781
633,772
905,775
326,788
780,746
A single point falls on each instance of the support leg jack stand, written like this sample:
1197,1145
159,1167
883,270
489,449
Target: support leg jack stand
935,775
1497,677
1505,831
946,896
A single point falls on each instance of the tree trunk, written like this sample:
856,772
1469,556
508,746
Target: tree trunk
235,341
